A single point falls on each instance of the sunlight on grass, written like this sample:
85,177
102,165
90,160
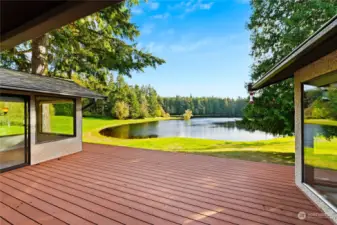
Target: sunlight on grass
11,130
61,124
319,160
321,122
278,150
324,146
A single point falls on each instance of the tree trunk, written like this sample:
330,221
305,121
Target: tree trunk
39,55
39,66
46,127
70,74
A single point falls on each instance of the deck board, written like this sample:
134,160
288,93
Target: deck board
14,216
119,185
25,209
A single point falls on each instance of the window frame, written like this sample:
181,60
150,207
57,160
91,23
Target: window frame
38,124
27,128
303,178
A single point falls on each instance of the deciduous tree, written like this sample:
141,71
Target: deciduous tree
277,27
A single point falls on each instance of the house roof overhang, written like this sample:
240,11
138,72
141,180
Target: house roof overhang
321,43
26,82
26,20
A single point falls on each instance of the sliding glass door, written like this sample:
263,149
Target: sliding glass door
320,136
14,148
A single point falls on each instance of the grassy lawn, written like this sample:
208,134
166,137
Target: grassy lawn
278,150
61,124
12,130
321,122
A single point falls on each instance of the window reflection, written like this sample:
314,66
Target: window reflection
320,136
55,119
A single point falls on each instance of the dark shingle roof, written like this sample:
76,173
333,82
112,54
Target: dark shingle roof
15,80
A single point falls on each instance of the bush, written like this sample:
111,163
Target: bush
121,110
158,113
188,114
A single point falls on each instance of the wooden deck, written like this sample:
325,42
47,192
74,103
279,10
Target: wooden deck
116,185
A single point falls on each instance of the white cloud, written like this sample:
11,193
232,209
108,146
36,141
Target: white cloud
137,10
193,5
153,5
161,16
154,47
188,47
198,6
147,29
206,6
167,32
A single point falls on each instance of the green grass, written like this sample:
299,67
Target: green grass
12,130
278,150
61,125
321,122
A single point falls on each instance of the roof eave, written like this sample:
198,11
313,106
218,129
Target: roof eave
94,96
52,19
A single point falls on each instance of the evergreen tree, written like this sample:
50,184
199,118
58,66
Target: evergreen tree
134,104
205,106
153,105
93,46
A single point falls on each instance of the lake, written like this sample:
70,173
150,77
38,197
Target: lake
206,128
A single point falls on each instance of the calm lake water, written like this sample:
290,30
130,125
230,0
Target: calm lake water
207,128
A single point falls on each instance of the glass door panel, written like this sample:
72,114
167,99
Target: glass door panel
320,136
13,131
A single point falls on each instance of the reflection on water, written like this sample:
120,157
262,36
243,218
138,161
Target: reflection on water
207,128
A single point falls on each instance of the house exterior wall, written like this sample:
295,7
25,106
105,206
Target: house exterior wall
40,152
320,67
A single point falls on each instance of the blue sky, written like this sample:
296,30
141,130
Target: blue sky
205,44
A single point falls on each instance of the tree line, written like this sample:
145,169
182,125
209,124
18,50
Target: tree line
205,106
134,101
127,101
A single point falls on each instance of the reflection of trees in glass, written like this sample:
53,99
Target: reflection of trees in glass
332,96
320,103
329,132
